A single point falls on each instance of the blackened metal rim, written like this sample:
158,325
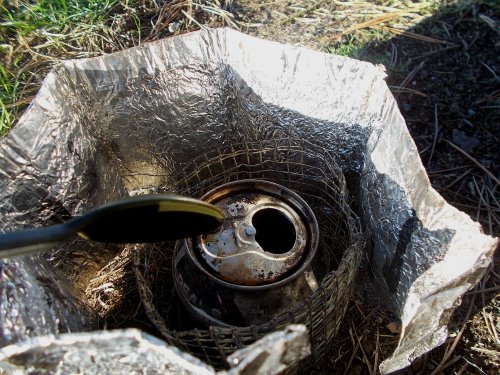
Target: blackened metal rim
277,191
196,312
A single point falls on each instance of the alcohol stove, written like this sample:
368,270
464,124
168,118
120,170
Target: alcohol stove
257,264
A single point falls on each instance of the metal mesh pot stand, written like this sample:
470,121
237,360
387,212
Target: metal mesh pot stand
313,174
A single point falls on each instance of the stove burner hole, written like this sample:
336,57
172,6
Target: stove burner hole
275,232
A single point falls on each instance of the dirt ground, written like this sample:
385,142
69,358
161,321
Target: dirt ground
444,71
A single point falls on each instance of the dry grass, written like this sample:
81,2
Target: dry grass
112,284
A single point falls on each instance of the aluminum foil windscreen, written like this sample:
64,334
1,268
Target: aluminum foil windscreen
118,125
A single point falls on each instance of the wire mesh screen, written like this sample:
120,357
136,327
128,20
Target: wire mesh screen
313,174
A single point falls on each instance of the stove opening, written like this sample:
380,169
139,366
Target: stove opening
275,232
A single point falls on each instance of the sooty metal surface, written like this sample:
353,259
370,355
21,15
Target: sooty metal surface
267,233
257,264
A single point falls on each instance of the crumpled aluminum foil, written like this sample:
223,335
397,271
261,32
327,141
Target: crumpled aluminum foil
98,352
117,125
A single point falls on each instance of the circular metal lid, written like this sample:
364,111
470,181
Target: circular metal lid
267,231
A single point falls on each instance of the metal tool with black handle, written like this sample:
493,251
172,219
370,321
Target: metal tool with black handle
148,218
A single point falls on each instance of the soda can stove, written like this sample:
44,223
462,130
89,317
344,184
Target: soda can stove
257,263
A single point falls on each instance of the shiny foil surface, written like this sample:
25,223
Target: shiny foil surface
122,124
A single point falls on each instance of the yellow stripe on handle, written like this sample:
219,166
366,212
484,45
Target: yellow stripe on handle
191,206
82,235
